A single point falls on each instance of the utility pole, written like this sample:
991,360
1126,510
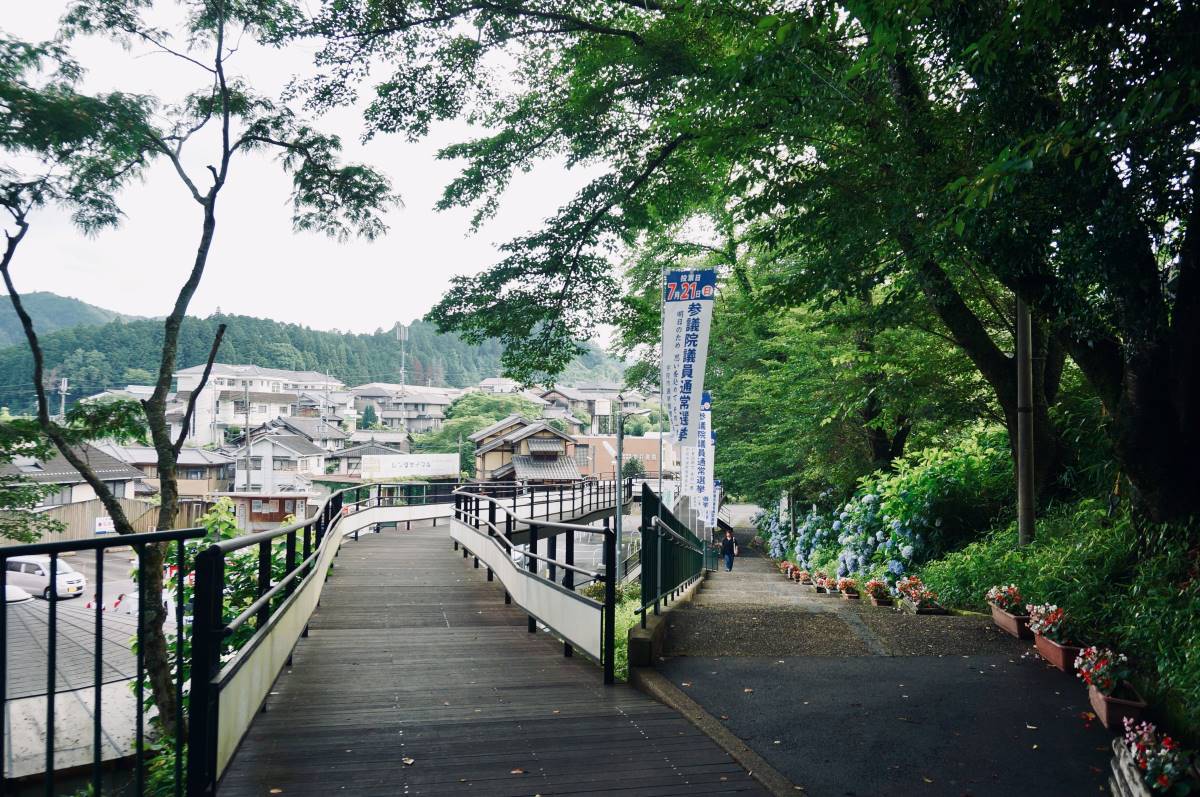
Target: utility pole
1025,496
62,397
620,479
246,403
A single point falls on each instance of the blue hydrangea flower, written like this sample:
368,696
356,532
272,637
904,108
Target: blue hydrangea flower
907,551
896,568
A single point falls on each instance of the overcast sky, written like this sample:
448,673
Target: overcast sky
258,265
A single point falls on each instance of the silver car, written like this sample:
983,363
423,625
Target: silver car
32,574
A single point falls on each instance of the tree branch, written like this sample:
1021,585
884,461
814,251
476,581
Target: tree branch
191,405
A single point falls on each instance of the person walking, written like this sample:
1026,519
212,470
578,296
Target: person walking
729,549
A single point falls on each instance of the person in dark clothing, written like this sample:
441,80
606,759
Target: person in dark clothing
729,550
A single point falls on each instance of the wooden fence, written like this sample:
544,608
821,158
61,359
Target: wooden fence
79,519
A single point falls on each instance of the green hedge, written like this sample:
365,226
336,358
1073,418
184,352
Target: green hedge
1137,593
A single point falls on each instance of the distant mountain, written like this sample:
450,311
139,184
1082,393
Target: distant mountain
98,357
51,312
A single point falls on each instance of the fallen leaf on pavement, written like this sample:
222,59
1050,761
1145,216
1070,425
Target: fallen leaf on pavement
747,690
408,762
517,771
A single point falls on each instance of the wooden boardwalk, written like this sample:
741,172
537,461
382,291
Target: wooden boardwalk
413,656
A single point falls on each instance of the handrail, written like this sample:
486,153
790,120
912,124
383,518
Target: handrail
613,495
680,540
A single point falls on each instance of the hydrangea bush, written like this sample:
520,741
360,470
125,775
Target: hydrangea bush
895,521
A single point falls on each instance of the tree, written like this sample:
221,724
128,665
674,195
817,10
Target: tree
943,150
633,469
83,149
136,376
369,418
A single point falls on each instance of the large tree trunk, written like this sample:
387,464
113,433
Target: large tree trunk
1000,372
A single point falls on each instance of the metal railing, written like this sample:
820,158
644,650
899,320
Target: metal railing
672,556
501,525
176,539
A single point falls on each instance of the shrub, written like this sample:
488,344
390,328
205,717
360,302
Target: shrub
1138,593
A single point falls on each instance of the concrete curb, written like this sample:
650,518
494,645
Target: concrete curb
654,684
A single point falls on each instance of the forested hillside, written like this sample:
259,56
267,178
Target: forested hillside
114,354
51,312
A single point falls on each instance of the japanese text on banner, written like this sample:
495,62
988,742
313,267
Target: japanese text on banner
687,318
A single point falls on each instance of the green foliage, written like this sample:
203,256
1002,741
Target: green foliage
1140,598
467,415
19,495
439,359
633,469
50,312
369,418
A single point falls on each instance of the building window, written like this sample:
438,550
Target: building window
583,455
255,463
262,408
274,387
239,407
283,463
192,473
63,496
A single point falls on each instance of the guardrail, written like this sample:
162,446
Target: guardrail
491,530
53,550
672,556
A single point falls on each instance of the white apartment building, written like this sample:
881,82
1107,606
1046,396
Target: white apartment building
279,463
235,391
413,409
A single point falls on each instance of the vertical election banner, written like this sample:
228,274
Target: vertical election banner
687,317
702,486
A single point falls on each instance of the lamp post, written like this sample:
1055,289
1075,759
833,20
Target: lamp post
619,477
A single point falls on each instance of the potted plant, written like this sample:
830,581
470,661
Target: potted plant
1154,761
831,586
877,590
916,597
819,578
848,587
785,567
1007,614
1112,696
1048,624
804,577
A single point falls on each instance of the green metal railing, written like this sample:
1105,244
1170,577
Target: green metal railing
672,556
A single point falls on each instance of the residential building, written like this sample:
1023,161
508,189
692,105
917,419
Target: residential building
596,455
118,476
391,438
279,463
244,395
348,461
408,408
599,405
499,384
317,431
517,449
261,510
199,472
571,424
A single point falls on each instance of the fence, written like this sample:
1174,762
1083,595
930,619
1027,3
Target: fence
672,556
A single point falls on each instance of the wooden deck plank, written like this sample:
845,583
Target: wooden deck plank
412,653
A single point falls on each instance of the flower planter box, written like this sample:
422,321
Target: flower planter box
1061,656
882,601
820,589
850,596
1015,624
1112,710
807,582
912,608
832,592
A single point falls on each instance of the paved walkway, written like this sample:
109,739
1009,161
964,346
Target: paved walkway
417,679
850,699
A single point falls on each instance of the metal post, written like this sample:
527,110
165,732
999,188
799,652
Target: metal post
552,552
532,567
610,604
1025,496
619,509
207,636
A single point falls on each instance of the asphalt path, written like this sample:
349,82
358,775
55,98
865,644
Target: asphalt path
929,725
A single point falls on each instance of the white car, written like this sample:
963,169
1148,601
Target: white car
32,574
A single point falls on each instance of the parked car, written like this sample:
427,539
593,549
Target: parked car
32,574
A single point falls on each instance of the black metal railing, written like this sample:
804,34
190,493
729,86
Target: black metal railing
288,560
672,556
510,525
175,554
